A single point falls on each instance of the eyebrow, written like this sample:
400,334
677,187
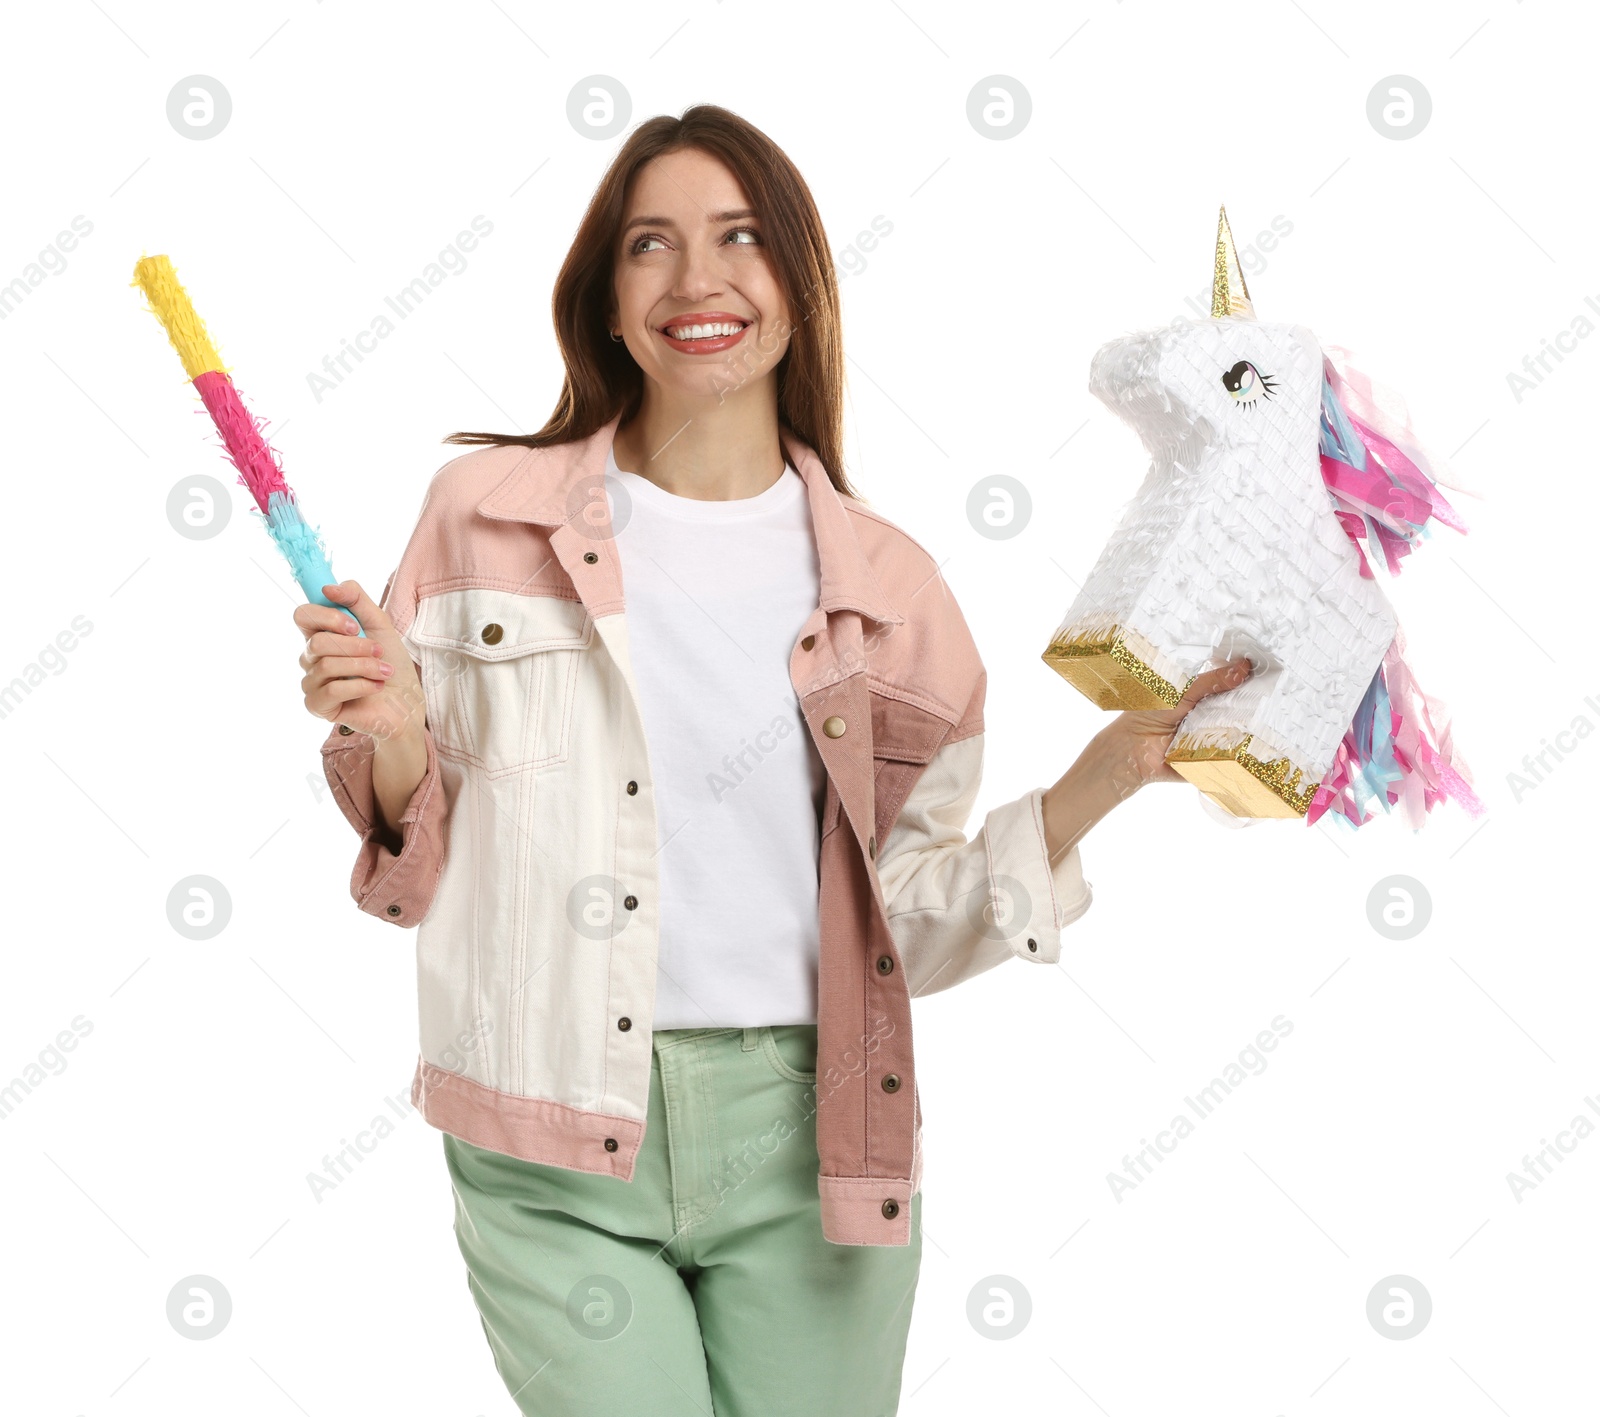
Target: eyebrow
712,218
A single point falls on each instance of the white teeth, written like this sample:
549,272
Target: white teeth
714,331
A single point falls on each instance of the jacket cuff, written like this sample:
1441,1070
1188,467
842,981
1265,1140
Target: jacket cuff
866,1210
394,886
1032,901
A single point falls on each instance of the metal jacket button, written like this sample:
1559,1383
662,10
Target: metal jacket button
1033,945
808,642
885,965
624,1024
872,847
611,1143
891,1208
394,910
590,557
492,634
633,788
891,1082
629,901
833,726
345,728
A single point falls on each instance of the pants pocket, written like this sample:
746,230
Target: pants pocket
791,1051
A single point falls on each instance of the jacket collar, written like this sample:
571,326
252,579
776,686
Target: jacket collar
549,489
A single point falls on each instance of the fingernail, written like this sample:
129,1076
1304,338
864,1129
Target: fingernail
386,669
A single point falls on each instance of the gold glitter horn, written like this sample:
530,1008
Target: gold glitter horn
1229,294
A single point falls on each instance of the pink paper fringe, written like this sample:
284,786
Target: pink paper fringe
1398,750
244,437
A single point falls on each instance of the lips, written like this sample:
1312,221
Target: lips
704,331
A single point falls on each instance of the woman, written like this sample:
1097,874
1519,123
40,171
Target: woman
681,856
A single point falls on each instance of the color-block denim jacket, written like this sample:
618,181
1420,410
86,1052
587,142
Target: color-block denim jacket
527,854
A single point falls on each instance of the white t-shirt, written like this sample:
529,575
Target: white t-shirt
716,595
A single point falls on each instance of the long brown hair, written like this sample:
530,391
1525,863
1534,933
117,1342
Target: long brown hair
602,379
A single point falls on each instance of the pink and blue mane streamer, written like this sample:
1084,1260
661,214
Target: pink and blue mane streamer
1398,749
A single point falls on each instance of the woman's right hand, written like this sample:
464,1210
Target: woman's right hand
370,684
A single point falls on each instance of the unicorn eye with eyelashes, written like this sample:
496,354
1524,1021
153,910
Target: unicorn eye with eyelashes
1247,383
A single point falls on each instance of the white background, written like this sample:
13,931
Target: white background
171,741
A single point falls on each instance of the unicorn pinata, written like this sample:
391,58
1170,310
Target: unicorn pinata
1270,465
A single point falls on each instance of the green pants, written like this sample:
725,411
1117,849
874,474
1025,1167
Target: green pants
704,1285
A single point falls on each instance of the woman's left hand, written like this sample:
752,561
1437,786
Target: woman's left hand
1144,735
1128,752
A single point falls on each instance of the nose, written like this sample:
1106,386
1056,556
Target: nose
699,274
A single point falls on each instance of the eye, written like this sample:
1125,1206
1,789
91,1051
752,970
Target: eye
750,231
1247,383
638,247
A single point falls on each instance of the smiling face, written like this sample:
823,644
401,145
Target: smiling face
696,299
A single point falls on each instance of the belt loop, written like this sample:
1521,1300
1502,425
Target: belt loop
751,1040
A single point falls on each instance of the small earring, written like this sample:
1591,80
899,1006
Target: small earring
616,337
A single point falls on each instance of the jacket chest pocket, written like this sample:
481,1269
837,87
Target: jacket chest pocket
498,673
904,740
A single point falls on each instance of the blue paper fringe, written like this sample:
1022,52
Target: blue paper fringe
302,548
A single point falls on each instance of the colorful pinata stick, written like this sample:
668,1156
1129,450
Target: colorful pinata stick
242,436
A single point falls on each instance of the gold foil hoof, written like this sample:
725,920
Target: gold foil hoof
1109,674
1241,783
